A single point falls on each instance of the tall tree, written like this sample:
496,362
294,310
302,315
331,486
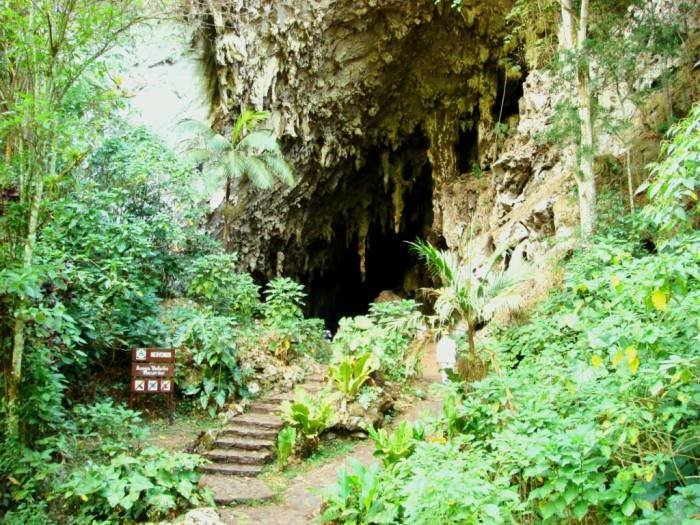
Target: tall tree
575,34
52,90
251,154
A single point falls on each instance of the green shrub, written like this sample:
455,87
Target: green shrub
29,513
152,484
352,500
441,484
214,281
386,332
104,428
673,191
398,445
284,299
286,440
213,375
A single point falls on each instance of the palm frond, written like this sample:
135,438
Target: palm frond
218,144
260,141
257,172
213,178
280,169
196,127
234,164
197,155
247,121
498,283
440,264
502,304
445,304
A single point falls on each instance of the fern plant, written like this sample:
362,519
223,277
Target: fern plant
467,294
351,373
250,154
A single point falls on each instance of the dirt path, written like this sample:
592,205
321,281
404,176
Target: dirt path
298,505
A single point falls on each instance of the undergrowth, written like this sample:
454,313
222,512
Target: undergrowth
595,416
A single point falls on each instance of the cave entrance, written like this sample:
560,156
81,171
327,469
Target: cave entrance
341,290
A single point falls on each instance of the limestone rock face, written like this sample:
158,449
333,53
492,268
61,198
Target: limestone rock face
386,109
364,94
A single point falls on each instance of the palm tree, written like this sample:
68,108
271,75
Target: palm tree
251,154
469,293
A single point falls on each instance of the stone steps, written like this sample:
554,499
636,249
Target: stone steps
238,456
245,430
231,469
260,420
244,443
230,490
264,407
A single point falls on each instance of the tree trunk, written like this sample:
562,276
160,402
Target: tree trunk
470,338
585,178
630,178
18,341
226,213
19,329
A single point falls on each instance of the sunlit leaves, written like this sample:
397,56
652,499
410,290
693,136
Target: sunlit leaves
660,300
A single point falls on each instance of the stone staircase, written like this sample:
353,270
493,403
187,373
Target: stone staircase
245,445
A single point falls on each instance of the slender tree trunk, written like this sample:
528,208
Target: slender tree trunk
585,177
19,329
226,213
630,178
18,341
470,339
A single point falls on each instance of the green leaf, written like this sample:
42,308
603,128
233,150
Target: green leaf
628,507
580,510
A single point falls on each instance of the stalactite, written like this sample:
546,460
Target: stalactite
441,129
362,234
386,168
397,200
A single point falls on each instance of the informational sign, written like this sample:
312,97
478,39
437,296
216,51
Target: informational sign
152,372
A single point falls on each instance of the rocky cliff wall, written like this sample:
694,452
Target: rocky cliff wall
386,109
355,87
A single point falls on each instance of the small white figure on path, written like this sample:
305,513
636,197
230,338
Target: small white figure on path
446,351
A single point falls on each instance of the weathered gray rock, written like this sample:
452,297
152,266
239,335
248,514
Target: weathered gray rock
203,516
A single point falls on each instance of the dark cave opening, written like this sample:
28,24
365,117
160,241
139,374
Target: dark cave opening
340,291
510,104
467,149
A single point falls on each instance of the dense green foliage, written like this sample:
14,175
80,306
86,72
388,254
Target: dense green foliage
674,191
101,251
386,332
602,425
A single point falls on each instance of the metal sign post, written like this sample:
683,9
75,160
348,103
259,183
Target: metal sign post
152,372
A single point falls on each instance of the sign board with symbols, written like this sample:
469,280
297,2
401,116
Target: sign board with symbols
152,372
